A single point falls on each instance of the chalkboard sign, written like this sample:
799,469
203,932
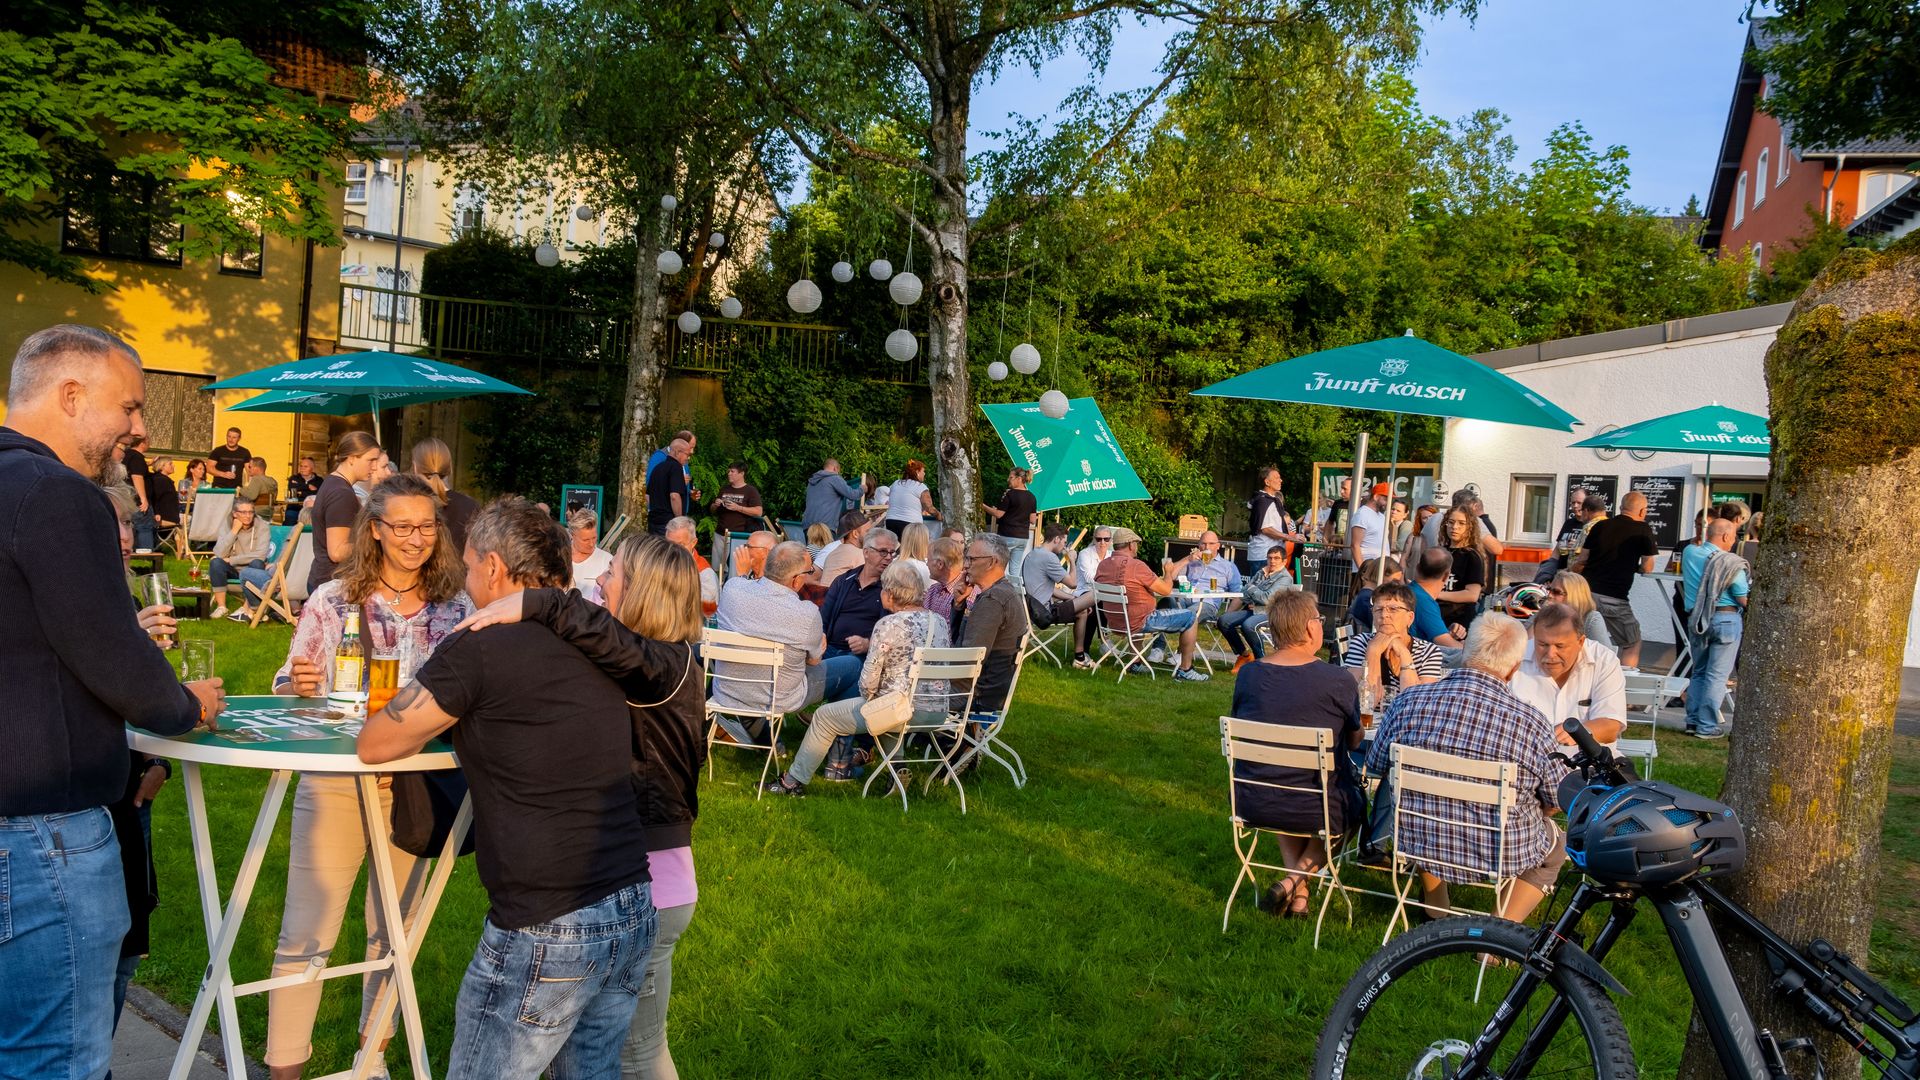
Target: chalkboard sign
1607,487
1663,506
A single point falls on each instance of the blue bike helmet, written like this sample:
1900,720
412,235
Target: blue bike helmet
1648,833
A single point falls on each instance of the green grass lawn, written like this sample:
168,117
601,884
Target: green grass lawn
1068,929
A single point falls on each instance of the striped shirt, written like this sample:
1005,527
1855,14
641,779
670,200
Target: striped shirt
1427,660
1472,714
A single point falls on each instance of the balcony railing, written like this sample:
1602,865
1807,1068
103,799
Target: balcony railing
446,327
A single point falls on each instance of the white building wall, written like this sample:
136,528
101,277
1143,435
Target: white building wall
1622,387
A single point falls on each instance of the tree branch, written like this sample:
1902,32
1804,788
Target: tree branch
868,12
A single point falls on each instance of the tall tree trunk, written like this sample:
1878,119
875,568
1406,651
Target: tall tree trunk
646,364
954,429
1832,592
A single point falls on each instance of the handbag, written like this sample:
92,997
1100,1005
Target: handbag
424,806
890,713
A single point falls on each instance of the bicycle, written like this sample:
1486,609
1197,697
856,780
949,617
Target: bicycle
1529,983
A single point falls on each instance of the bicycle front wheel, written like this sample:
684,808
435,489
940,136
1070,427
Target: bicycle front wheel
1415,1010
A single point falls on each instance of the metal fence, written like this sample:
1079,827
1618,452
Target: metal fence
451,327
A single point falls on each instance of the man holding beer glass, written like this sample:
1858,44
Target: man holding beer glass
403,585
79,669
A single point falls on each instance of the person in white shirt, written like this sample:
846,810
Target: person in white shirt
1085,565
685,533
1564,674
590,560
1367,538
908,501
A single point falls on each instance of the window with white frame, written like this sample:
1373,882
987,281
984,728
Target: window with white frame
469,207
1530,510
1759,258
356,181
1786,158
1740,201
1760,178
395,305
1878,186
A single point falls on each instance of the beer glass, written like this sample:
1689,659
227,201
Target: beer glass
155,589
383,680
196,659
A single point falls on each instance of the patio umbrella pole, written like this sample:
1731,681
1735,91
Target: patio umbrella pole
1393,479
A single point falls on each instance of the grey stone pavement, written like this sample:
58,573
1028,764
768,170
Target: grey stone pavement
148,1037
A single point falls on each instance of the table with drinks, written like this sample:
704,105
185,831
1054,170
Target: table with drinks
283,736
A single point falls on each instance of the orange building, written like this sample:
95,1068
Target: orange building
1765,182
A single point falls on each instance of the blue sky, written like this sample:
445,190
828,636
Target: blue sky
1655,76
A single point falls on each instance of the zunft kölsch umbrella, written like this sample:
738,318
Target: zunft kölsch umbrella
1075,460
351,383
1710,429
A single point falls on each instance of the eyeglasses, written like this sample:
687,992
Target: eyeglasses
1556,592
1103,539
886,553
977,558
1391,609
402,532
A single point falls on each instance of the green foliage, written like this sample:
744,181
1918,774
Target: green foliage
1842,70
164,92
1799,261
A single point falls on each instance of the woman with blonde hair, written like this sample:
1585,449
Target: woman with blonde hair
644,639
818,537
1572,589
408,587
433,462
336,506
913,548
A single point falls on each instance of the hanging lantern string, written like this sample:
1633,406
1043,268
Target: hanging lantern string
1031,275
1059,320
913,206
1006,281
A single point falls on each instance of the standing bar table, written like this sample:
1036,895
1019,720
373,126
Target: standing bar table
282,736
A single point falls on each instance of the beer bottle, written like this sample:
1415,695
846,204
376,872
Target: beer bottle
349,660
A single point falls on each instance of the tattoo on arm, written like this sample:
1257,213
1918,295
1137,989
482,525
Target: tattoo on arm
406,698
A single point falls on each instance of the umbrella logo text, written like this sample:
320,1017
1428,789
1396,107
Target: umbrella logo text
1321,381
1393,368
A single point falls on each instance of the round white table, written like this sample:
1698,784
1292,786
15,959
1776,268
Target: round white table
286,735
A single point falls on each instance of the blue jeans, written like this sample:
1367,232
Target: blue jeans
1240,629
1168,620
557,995
63,914
843,674
220,573
1713,657
145,535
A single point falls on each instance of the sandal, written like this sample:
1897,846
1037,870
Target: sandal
1279,897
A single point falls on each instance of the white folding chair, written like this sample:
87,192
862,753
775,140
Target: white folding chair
942,682
749,669
1311,752
1124,643
1456,794
1647,694
985,733
1041,642
612,536
211,509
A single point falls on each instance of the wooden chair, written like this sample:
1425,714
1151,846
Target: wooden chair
293,559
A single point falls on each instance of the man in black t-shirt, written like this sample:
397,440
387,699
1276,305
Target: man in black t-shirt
229,461
302,486
547,748
141,477
668,495
1617,549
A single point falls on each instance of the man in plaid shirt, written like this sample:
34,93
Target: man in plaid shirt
1473,714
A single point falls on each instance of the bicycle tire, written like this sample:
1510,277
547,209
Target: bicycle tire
1462,939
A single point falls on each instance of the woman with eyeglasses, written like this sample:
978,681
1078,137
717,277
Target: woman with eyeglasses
407,583
1098,550
1572,589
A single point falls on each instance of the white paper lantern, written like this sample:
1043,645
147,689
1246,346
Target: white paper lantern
689,323
902,345
879,269
842,271
1053,403
546,255
997,371
668,202
668,263
803,296
583,212
1026,358
905,288
717,241
730,308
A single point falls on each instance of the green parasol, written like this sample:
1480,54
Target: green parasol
349,383
1075,460
1710,429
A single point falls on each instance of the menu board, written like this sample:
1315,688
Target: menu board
1607,487
1663,494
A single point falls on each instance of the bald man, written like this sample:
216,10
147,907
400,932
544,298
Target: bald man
78,670
668,495
1713,582
1616,550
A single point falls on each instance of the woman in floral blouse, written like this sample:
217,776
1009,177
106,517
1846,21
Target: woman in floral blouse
408,583
889,663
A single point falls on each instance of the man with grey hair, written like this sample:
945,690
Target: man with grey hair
79,669
849,610
685,533
668,493
546,743
1473,713
770,607
989,613
1713,582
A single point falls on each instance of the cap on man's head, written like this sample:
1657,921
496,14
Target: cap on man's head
1122,536
1382,489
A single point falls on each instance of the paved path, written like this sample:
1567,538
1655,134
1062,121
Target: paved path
144,1044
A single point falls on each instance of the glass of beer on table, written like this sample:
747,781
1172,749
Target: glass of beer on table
156,590
383,680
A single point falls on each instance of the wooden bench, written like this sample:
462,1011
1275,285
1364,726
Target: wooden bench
191,603
148,562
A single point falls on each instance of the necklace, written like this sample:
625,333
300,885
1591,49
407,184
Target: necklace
397,591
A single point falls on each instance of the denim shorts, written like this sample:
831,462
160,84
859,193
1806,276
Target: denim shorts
1168,620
